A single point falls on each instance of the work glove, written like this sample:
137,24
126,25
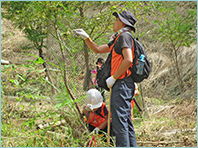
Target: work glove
89,107
110,81
81,33
96,130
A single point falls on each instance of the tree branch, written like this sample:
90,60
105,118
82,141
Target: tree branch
64,71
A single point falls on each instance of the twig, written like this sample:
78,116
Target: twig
3,50
164,108
45,142
16,137
174,131
35,142
51,141
63,136
11,144
4,62
159,142
41,126
160,130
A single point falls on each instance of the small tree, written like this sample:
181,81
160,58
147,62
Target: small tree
95,24
176,30
32,18
99,23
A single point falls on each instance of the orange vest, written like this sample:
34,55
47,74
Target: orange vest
117,59
94,119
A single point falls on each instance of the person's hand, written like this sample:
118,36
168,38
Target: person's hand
110,81
89,107
81,33
96,130
137,93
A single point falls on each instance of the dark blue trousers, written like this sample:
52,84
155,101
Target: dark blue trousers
122,93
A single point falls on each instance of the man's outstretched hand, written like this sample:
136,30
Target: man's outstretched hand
81,33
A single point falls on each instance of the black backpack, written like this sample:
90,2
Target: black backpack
105,71
138,50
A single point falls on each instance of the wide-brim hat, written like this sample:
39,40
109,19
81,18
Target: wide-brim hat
127,18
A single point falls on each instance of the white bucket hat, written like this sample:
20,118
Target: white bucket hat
95,98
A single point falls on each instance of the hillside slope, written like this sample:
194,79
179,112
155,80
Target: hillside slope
162,81
170,115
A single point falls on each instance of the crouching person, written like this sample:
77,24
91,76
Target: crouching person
96,113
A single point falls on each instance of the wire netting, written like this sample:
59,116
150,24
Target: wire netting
78,72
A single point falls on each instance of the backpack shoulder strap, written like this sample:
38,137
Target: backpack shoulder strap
99,114
114,42
103,104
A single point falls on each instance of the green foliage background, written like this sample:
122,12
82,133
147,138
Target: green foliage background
48,25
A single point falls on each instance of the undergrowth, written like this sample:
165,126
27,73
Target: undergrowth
73,132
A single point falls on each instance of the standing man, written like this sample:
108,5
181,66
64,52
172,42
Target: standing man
122,85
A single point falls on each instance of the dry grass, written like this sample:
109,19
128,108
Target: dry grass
169,124
173,124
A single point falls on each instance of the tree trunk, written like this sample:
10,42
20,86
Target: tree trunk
46,70
178,72
65,73
145,111
87,81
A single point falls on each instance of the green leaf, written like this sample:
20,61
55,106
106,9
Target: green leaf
19,76
59,105
11,80
22,106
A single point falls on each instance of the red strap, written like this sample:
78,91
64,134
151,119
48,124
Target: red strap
93,138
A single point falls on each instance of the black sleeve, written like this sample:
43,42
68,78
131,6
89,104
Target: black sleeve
125,40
